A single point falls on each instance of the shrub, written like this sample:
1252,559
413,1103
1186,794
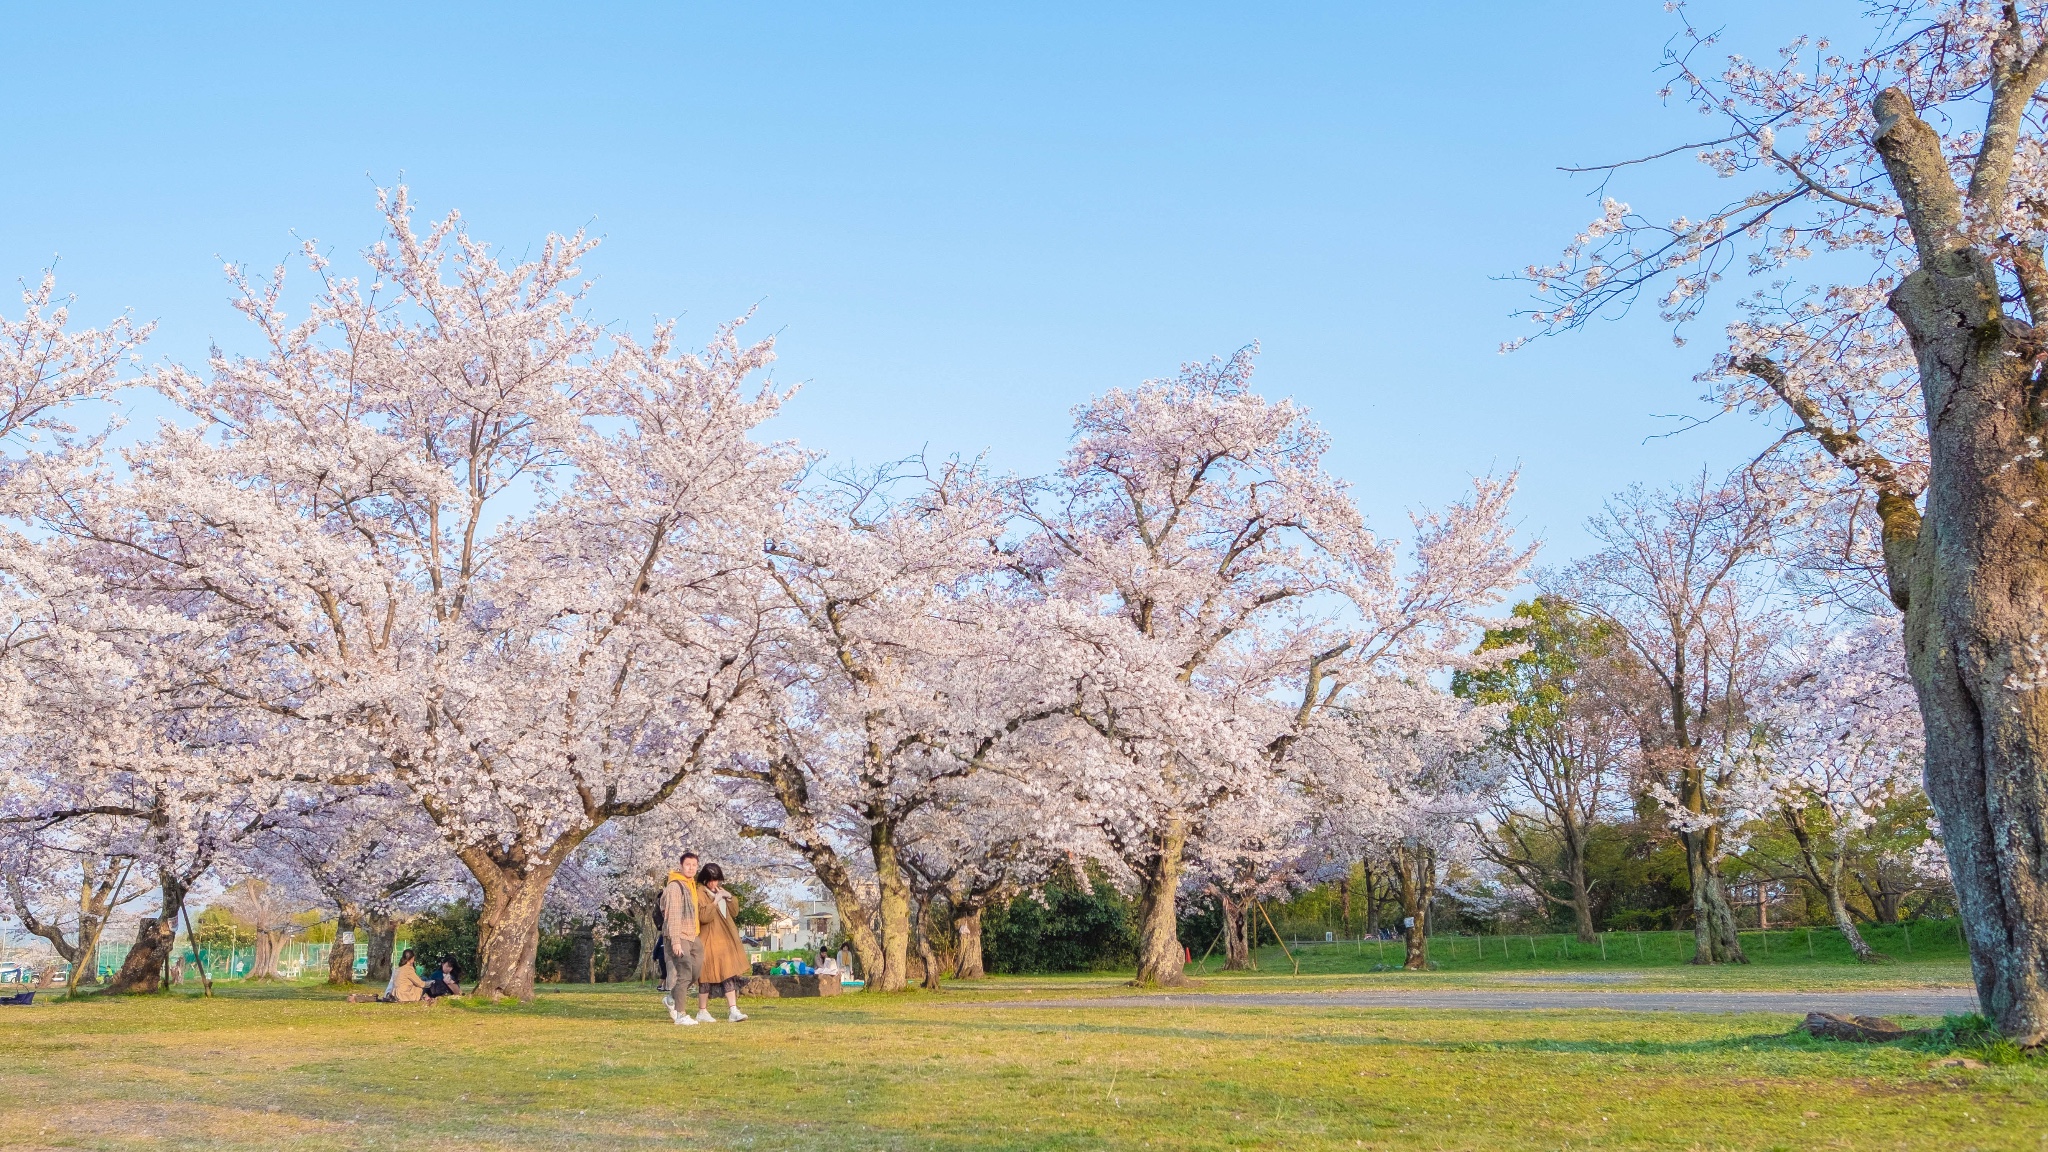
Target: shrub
449,930
1067,927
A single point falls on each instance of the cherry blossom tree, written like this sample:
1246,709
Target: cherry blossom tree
1843,742
485,551
1679,579
1259,846
46,366
1204,565
1906,175
903,664
115,724
373,855
66,881
1398,784
987,837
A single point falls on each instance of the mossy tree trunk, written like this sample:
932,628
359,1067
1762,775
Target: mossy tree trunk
1161,959
341,959
383,941
143,970
1237,953
1414,867
515,887
1970,568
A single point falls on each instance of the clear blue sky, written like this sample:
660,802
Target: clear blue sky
960,220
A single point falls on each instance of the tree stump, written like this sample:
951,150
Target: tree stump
1860,1029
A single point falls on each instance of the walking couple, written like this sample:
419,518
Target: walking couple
700,943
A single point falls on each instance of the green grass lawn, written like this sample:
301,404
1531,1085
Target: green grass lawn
601,1067
1919,957
1913,946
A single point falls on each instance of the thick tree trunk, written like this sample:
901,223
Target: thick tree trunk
1237,953
1971,573
1713,918
143,970
1415,870
268,945
893,886
1977,612
649,932
854,913
383,940
1161,960
926,958
341,959
1344,902
508,924
1582,896
967,928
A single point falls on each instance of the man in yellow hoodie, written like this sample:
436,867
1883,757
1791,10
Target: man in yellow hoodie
679,952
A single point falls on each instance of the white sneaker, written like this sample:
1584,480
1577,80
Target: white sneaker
735,1016
704,1017
682,1018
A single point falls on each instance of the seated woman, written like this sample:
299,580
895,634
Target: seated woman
406,987
444,982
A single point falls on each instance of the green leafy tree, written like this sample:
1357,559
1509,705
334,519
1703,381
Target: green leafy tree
450,930
1559,752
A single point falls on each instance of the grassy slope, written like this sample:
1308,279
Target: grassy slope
601,1067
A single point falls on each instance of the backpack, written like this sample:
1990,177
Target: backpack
660,935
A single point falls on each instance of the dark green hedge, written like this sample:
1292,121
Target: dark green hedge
449,930
1067,927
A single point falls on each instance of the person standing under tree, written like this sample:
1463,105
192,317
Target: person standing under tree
722,963
679,951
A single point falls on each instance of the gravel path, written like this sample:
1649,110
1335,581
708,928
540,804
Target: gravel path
1875,1002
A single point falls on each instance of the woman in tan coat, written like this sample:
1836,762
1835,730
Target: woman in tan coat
406,985
725,959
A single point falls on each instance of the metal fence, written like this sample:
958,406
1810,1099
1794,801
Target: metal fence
293,960
1634,947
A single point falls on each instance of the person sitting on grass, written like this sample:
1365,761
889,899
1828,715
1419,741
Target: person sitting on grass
444,982
724,959
406,987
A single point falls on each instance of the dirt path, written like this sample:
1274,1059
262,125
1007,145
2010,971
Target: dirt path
1874,1002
